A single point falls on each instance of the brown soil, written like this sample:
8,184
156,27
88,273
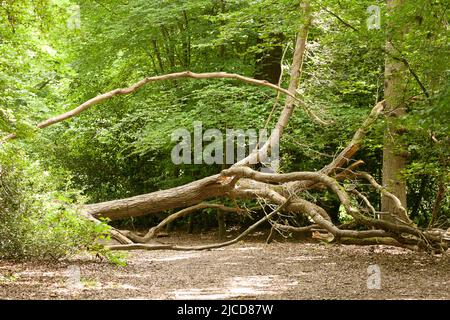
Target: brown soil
248,270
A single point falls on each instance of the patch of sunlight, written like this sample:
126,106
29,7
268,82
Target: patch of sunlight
30,273
237,287
203,294
305,258
179,256
135,298
249,248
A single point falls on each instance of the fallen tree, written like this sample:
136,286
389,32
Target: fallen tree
284,191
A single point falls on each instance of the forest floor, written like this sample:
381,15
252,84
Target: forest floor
247,270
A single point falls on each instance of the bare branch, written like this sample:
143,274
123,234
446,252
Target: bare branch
288,228
115,234
341,20
401,210
365,200
153,232
260,154
343,158
172,76
139,246
356,141
408,66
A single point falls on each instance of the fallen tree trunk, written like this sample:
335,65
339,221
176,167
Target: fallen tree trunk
245,183
179,197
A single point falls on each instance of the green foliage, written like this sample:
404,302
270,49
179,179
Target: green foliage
32,69
35,220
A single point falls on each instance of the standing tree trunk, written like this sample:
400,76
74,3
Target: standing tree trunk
260,155
394,87
438,202
268,62
221,223
222,52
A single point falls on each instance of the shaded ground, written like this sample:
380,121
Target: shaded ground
250,270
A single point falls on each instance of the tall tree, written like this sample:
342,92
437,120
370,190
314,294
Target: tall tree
394,161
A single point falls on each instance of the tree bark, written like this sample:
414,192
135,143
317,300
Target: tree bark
182,196
394,161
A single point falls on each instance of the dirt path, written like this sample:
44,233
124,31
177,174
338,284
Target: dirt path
250,270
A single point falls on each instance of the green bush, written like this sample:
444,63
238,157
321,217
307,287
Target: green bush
36,221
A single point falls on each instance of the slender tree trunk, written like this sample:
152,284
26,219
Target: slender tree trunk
296,71
438,202
268,62
191,225
394,87
185,58
169,46
158,55
221,223
222,52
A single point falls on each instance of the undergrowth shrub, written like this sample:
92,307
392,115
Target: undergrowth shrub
38,213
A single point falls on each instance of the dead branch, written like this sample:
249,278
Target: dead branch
386,228
115,234
365,200
316,213
347,153
289,228
345,172
259,155
139,246
172,76
340,19
377,241
344,157
153,232
401,211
